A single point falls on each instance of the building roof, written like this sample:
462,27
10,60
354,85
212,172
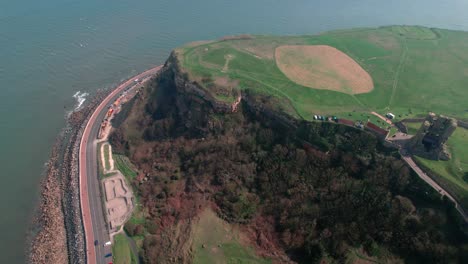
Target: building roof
376,128
346,122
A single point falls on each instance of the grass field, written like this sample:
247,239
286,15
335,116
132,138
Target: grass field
322,67
215,241
413,127
454,171
107,151
414,69
124,166
121,252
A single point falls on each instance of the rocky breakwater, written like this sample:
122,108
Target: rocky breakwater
58,228
49,244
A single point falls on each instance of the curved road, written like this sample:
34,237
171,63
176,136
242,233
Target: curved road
94,221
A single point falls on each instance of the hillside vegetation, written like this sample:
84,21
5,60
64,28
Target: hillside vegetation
454,172
406,70
287,190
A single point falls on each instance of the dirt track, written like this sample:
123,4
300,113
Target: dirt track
382,117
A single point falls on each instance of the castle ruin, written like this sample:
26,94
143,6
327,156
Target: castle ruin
430,140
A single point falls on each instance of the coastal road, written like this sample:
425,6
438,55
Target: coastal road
91,199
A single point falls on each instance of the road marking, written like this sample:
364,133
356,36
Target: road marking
84,196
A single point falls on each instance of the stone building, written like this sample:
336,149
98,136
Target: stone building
430,140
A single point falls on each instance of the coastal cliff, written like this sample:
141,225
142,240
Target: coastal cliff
296,191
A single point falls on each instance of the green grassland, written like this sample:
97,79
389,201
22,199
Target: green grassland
106,147
122,254
100,163
413,127
215,241
413,68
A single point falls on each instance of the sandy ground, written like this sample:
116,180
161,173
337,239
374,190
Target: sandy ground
103,158
323,67
119,201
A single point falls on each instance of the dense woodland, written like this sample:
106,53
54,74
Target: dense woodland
318,189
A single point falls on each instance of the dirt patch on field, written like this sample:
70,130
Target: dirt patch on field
323,67
260,49
386,42
228,58
226,82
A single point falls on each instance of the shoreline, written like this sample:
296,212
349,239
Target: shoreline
56,232
58,202
84,198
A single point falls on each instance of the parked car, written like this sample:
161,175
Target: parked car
108,255
96,242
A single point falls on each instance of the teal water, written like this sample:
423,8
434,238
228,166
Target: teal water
52,49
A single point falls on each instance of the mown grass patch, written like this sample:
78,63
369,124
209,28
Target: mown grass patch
215,241
413,127
107,151
100,165
410,67
122,254
322,67
124,165
454,171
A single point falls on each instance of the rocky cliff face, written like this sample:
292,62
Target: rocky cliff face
185,102
192,107
300,191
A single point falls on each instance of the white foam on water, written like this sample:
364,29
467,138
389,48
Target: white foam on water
80,99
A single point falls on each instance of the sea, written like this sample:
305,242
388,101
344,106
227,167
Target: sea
55,54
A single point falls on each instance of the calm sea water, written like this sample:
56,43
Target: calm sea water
52,50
